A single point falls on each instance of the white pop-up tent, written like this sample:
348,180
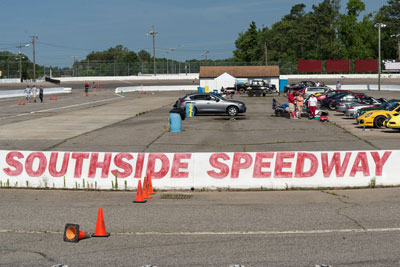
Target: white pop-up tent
224,80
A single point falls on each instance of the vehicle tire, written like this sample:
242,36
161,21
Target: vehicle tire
278,113
242,90
331,106
232,111
258,93
251,93
378,122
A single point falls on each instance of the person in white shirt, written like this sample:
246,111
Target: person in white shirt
34,93
312,105
27,93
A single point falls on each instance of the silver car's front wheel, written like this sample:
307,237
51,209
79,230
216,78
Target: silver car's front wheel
232,111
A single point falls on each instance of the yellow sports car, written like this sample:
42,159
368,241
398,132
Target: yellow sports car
393,121
376,118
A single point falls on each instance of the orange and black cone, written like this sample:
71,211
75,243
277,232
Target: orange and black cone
146,188
139,194
151,192
73,234
19,102
100,225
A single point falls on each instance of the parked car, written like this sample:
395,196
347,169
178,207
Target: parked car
315,90
299,87
383,106
376,118
393,121
352,108
330,101
330,94
342,104
211,103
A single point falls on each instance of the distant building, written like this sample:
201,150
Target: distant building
216,77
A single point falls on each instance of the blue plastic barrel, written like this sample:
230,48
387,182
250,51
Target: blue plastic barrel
282,84
199,90
175,123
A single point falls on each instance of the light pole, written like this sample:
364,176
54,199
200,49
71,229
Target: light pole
153,33
73,66
398,42
20,59
379,26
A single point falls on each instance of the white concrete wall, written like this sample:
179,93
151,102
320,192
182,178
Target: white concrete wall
191,76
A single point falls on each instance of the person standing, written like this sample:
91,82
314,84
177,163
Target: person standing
312,105
41,91
291,105
34,93
299,103
27,93
94,88
86,89
338,85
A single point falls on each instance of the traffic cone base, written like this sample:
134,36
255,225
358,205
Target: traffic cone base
100,225
73,234
139,194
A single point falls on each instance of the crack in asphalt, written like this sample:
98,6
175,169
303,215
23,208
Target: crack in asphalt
340,211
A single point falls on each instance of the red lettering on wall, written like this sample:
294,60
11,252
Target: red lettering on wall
238,164
379,162
79,157
301,157
340,169
151,164
125,166
360,164
139,165
259,164
53,164
215,163
178,164
280,164
18,167
95,164
41,167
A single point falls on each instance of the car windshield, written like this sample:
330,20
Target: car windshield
391,106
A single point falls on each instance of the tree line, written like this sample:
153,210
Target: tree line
323,33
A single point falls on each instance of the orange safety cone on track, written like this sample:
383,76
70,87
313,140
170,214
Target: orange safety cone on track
73,234
23,103
151,192
139,194
100,225
51,98
146,188
19,102
55,98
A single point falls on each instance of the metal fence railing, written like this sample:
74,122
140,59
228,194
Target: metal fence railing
110,68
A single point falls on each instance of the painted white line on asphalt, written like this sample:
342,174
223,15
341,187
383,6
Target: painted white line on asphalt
52,109
301,232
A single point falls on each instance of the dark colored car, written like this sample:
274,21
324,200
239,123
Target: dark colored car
330,101
211,103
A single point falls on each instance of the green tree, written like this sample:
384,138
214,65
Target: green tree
248,45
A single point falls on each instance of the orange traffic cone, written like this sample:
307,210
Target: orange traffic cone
23,103
146,188
73,234
19,102
51,98
100,225
151,192
55,98
139,194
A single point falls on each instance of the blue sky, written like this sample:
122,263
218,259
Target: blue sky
68,28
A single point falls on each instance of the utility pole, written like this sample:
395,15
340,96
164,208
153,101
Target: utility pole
73,66
34,37
266,54
153,33
20,60
205,56
379,26
398,42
